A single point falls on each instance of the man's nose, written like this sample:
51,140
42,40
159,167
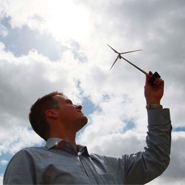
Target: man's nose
79,107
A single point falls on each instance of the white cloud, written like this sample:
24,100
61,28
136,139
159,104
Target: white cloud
22,81
4,162
3,30
1,179
156,27
16,138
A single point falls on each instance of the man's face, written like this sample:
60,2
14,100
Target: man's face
70,115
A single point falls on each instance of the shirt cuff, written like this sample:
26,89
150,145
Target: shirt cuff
158,117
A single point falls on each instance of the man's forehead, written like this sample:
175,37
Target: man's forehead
61,97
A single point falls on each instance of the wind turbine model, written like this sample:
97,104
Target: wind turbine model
152,78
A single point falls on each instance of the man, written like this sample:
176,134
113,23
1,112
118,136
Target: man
56,119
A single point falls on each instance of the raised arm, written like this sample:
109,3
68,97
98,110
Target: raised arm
143,167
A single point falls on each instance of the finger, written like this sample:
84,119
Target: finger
148,77
150,73
158,81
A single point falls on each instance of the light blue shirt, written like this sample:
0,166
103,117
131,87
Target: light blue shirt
59,163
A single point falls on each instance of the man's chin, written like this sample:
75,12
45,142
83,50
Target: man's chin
82,122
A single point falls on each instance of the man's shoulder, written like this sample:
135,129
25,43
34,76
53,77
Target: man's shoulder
31,148
30,151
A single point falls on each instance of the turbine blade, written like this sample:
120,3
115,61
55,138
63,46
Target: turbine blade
113,49
131,51
114,62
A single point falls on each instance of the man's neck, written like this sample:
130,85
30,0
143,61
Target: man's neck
68,137
72,141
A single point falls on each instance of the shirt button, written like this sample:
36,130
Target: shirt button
165,115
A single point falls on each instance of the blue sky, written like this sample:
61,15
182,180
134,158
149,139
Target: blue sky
62,45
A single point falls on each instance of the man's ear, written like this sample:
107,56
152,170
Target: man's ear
51,114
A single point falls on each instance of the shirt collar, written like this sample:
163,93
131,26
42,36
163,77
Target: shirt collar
61,143
51,142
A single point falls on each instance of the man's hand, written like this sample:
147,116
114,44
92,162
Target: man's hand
153,94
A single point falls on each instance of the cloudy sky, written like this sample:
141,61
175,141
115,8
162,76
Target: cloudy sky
62,45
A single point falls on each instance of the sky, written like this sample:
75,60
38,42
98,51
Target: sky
61,45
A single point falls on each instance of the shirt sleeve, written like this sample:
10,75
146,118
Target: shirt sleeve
143,167
20,170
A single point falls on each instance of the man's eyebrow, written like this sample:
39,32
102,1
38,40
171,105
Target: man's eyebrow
68,100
